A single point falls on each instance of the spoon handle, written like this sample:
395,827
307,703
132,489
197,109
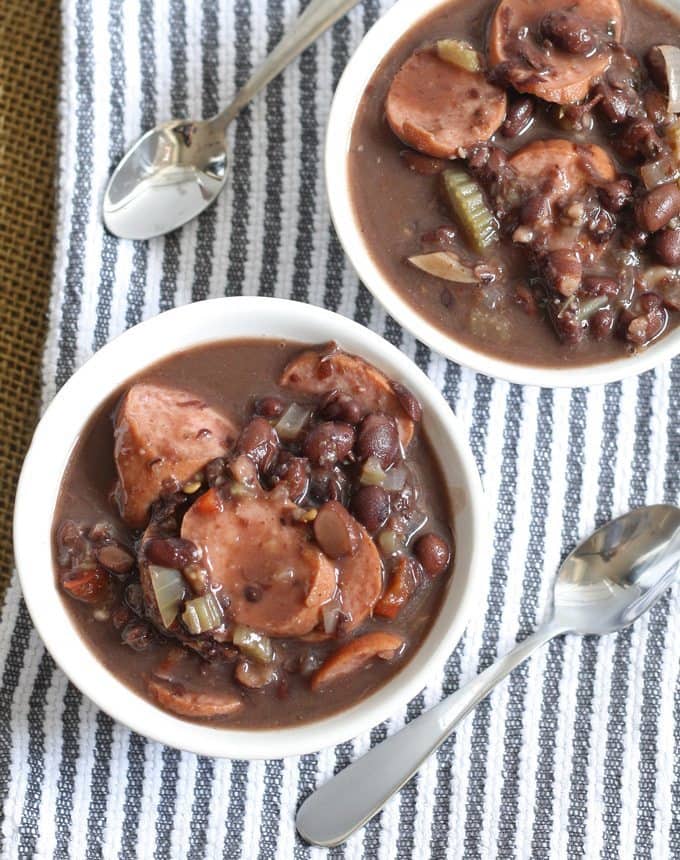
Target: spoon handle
348,800
317,17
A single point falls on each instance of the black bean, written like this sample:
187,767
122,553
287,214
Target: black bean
656,208
640,139
433,553
329,443
260,442
666,245
518,118
378,437
408,401
293,472
602,323
563,270
569,32
253,593
138,635
173,552
615,195
335,530
342,407
650,302
371,506
535,210
270,407
115,558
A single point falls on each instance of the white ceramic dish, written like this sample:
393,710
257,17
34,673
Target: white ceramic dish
358,72
179,329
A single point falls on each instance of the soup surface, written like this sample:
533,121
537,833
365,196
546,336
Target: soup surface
514,170
254,533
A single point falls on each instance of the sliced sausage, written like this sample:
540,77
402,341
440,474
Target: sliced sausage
187,703
567,167
404,581
441,109
163,435
316,373
548,70
355,655
360,581
252,541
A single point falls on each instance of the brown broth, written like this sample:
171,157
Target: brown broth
228,376
395,206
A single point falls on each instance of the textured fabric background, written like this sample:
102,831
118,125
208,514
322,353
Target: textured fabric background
577,755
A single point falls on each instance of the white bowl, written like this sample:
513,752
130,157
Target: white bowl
58,431
375,46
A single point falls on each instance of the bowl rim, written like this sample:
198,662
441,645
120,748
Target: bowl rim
52,444
373,48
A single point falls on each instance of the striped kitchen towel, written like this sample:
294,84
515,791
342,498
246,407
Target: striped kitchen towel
577,754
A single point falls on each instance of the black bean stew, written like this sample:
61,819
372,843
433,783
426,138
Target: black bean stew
514,169
260,538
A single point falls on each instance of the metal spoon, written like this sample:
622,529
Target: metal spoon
606,583
177,169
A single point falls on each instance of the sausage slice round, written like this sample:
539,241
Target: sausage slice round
163,435
187,703
568,168
275,577
316,373
360,581
535,65
355,655
442,109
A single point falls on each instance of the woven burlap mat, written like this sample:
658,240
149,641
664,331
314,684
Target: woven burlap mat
29,75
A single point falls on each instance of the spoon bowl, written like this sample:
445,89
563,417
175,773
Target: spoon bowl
619,572
178,168
167,178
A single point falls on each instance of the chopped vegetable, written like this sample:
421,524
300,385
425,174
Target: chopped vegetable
459,53
331,613
395,478
590,307
389,541
655,173
671,58
672,134
253,644
292,422
168,589
446,265
469,206
202,614
372,472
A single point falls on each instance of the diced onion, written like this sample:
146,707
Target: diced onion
654,173
168,588
395,478
389,541
590,307
671,58
202,614
372,472
446,265
292,422
253,644
331,615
